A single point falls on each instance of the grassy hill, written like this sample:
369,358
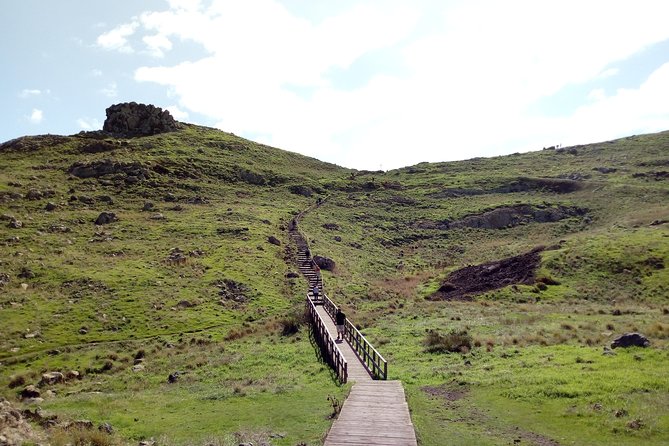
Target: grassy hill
184,279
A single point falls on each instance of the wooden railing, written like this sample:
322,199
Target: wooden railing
329,349
375,363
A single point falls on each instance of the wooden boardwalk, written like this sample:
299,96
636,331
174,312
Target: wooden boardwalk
375,412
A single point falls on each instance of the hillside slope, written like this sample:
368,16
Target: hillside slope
190,275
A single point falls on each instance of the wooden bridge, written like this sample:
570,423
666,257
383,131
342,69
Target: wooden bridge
375,412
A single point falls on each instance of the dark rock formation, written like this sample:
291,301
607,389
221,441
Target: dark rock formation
325,263
301,190
98,169
273,240
131,119
106,218
507,216
630,340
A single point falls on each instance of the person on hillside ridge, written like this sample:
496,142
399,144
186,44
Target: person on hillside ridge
340,321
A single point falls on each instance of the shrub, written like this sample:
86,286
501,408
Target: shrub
455,341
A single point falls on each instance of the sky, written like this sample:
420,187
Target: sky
367,84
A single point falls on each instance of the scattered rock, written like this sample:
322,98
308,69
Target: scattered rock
15,430
4,279
58,228
325,263
15,224
186,304
83,330
630,340
292,275
34,194
231,290
30,392
337,238
85,199
150,442
50,206
331,226
148,206
106,428
26,273
176,257
51,378
132,119
105,218
138,367
170,197
605,170
157,216
72,374
173,377
273,240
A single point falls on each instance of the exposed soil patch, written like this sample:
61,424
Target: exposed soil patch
472,280
444,392
507,217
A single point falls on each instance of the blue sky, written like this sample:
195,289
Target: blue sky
365,84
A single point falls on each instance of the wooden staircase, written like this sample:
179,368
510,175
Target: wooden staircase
376,411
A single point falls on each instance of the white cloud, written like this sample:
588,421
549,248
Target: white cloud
464,90
111,90
96,72
117,38
36,116
29,92
177,113
89,124
157,44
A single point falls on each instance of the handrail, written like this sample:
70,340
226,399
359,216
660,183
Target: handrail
375,363
327,344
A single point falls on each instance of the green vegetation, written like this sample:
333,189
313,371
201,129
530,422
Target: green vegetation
190,284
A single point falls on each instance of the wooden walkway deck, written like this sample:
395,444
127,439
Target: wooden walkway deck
375,412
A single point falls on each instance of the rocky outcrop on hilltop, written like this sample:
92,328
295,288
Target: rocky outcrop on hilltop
132,119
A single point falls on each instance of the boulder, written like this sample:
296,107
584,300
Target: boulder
51,378
325,263
50,206
148,206
273,240
292,275
106,218
132,119
30,392
630,340
15,224
34,194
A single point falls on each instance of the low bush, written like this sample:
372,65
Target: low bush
454,341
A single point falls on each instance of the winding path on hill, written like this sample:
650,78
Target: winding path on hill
376,411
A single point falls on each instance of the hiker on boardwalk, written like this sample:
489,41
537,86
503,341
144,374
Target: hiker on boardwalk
315,292
340,320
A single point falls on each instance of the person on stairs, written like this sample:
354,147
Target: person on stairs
315,292
340,321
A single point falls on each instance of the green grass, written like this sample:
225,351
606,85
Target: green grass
535,369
